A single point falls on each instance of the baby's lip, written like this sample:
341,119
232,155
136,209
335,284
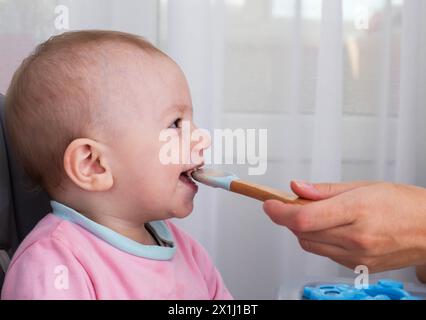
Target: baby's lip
192,169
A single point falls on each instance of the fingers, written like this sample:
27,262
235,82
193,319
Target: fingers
378,263
338,255
338,237
315,216
319,191
281,213
322,249
349,257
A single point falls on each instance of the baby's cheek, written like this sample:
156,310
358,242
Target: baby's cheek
164,176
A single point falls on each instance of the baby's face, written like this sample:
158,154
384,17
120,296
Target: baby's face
148,98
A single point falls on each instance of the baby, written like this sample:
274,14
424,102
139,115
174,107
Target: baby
84,114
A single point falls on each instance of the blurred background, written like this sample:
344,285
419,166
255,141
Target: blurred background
339,84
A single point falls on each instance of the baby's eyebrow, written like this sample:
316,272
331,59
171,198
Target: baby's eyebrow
177,107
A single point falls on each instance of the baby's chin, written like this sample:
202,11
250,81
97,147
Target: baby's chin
183,200
183,210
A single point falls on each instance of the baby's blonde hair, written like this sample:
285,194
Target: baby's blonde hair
53,98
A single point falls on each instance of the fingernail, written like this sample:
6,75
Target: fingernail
304,184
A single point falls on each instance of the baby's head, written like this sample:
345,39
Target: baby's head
84,114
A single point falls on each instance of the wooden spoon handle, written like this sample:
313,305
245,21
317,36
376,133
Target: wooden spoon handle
264,193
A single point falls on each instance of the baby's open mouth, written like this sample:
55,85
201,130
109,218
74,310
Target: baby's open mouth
186,177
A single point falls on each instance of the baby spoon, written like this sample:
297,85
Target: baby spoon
229,181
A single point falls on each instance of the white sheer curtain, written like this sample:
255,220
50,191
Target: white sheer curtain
341,101
410,85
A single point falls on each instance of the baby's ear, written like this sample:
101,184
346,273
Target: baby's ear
85,163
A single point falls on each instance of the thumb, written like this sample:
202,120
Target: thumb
320,191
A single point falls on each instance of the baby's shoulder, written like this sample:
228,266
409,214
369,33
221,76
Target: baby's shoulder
49,235
44,260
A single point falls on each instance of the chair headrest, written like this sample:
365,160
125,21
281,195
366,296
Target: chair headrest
20,209
7,224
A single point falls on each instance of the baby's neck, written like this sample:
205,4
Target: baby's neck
110,218
136,232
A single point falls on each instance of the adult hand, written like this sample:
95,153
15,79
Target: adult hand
380,225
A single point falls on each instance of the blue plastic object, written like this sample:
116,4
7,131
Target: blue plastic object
384,289
214,178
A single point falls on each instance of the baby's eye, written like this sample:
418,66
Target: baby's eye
176,124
